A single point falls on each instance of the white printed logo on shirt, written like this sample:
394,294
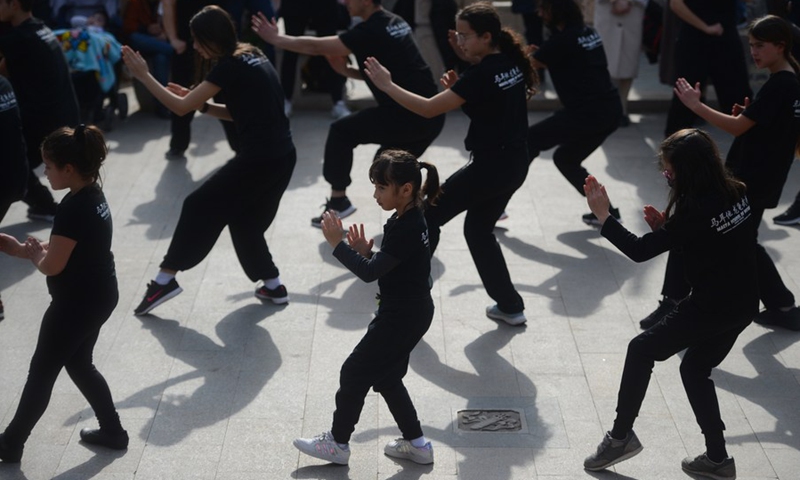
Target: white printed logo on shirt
796,107
590,42
398,30
508,79
7,101
103,211
732,218
253,60
46,35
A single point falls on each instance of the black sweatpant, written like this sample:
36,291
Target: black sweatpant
69,331
707,339
380,361
576,134
388,126
700,58
483,188
325,23
771,290
244,196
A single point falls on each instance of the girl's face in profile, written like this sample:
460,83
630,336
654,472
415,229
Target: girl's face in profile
766,54
472,44
387,196
202,50
58,177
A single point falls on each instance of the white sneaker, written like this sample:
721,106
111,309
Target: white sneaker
287,108
340,110
515,319
401,448
325,447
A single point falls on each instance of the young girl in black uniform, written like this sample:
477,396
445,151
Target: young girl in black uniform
82,282
576,62
710,219
492,92
244,194
402,268
767,131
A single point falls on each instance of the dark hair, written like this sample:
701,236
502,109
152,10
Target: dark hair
398,167
775,30
24,5
482,17
83,147
213,28
562,12
698,169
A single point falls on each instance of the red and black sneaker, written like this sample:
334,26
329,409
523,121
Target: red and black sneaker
277,295
156,295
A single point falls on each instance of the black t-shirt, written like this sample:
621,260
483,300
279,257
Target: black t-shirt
85,218
388,38
403,265
254,98
577,64
495,95
13,161
718,242
761,157
40,75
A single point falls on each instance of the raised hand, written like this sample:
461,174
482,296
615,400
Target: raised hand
34,250
376,72
265,28
358,241
688,95
332,227
654,217
597,198
738,109
448,79
135,63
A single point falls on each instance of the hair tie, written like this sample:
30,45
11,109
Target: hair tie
80,133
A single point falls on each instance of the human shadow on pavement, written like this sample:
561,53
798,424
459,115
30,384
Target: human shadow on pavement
329,471
774,388
12,471
179,406
481,388
573,274
93,466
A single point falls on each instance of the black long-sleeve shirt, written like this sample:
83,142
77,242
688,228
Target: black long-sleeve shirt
717,241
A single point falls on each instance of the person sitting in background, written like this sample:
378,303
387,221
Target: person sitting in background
141,26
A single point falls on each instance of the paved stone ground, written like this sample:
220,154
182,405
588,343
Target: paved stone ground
216,384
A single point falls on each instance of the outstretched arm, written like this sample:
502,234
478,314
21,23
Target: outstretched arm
735,124
268,30
426,107
180,105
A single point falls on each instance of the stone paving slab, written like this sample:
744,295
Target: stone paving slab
216,384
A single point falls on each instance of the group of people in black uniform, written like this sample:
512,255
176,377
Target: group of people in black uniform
716,269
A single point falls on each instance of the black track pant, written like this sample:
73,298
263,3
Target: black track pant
67,337
244,196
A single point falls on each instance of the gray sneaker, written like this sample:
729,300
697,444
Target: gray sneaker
401,448
701,465
612,451
514,319
325,447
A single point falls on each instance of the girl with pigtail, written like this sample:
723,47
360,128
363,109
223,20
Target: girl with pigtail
402,268
81,278
492,92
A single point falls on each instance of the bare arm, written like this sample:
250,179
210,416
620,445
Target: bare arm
688,16
426,107
51,257
180,105
340,66
216,110
268,31
690,96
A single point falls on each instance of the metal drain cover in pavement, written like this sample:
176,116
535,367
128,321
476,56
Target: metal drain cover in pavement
489,420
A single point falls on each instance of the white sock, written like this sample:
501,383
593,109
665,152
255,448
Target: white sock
272,283
419,442
163,278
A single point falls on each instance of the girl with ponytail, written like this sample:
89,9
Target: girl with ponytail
576,62
405,309
81,278
492,92
767,131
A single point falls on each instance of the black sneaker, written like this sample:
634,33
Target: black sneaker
612,451
156,295
664,307
43,213
9,454
789,319
277,295
2,311
703,466
342,207
790,217
96,436
175,154
591,218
